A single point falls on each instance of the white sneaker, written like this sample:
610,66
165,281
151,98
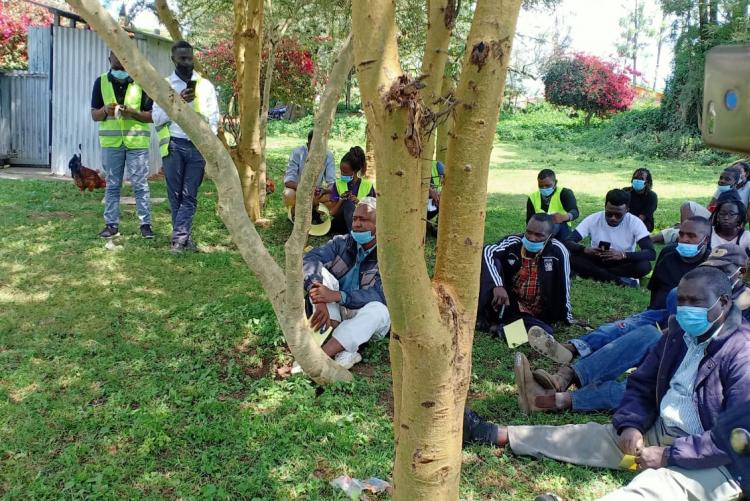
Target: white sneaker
347,359
296,369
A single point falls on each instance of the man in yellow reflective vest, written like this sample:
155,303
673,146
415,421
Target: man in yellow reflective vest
123,111
183,164
560,203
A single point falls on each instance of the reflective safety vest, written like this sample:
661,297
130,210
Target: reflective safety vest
365,185
437,183
162,131
555,205
114,132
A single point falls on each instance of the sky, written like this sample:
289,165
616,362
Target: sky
593,24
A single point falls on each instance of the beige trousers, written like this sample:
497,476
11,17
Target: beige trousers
593,444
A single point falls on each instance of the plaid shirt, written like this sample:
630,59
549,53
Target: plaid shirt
526,285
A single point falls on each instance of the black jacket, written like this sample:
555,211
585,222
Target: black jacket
502,261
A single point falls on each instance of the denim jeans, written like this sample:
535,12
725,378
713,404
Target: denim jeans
184,167
607,333
598,372
116,162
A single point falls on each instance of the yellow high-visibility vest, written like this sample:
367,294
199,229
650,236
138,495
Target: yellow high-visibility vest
115,132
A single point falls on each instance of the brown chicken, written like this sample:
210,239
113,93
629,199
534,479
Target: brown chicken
85,178
270,185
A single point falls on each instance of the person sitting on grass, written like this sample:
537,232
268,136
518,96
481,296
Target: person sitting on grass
525,277
349,189
343,283
560,203
728,180
597,375
643,199
293,174
614,234
699,370
729,222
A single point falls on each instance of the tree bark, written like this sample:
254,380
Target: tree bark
165,16
248,42
432,320
283,288
445,125
660,42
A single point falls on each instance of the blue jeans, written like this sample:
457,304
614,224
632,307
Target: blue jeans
598,372
117,161
607,333
183,167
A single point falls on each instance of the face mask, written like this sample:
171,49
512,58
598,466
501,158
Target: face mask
185,70
724,188
547,191
688,250
119,74
694,319
638,184
362,237
346,179
532,247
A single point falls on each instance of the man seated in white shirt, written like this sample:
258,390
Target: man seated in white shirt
293,175
183,164
614,232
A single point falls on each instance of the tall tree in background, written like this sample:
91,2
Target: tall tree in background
432,319
635,36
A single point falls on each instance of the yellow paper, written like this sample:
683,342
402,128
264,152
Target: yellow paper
628,463
515,334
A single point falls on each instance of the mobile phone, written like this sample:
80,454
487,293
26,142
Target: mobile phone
604,245
726,113
191,85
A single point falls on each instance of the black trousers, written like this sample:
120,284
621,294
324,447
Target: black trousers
607,271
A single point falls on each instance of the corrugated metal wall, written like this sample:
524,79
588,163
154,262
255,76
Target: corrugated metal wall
79,56
25,102
4,118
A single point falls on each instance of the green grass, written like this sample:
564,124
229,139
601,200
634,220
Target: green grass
135,373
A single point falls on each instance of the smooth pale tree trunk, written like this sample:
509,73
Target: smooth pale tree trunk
372,167
265,105
432,319
283,287
167,18
248,42
445,124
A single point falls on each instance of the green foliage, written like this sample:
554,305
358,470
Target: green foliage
346,127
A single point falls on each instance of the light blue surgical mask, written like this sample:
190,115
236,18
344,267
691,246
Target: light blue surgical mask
723,188
547,191
694,319
532,247
362,237
119,74
689,250
346,179
638,184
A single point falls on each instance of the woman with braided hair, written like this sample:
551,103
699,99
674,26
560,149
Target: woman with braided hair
349,189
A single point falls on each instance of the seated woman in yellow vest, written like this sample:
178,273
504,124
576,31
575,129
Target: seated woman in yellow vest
560,203
349,189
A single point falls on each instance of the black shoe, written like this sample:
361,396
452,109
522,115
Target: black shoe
477,430
316,219
109,231
146,231
190,246
548,497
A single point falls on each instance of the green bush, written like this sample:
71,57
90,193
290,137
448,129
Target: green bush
345,127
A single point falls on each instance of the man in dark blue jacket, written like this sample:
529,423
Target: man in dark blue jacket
699,370
343,282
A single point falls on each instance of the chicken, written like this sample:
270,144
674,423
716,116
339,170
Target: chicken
85,178
270,185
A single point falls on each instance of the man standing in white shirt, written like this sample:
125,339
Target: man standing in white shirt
183,164
614,233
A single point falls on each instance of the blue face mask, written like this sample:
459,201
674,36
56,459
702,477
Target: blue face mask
547,191
694,319
346,179
119,74
638,184
532,247
724,188
362,237
689,250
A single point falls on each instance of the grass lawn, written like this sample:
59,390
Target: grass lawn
134,373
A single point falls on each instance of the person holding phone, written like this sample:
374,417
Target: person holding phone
614,233
123,111
560,203
183,164
293,174
349,189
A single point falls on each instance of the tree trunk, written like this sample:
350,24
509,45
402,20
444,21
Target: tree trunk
659,44
713,12
371,164
703,19
432,320
248,41
446,124
265,105
589,116
283,288
167,18
349,91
